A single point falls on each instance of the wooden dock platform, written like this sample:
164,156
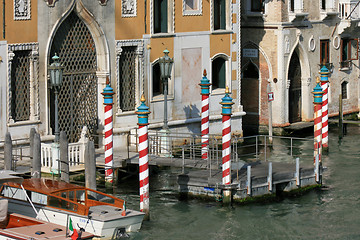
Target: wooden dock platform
283,179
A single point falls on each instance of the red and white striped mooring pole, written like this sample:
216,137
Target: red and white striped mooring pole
317,118
205,92
143,113
226,143
109,161
324,72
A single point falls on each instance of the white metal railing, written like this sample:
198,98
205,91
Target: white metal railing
76,156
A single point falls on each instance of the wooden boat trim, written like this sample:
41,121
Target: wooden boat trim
78,206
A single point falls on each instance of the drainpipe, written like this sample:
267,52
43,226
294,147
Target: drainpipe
4,19
144,14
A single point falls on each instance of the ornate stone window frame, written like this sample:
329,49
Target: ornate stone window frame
128,8
171,19
194,12
22,10
228,10
139,74
34,79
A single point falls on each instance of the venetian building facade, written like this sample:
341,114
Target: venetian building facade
284,43
123,41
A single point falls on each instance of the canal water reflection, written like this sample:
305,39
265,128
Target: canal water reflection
330,213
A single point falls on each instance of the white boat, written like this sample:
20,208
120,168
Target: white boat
19,227
98,213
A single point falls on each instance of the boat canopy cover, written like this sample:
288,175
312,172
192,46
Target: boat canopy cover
10,176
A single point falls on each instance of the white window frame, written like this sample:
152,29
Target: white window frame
192,12
227,74
171,18
298,6
139,73
227,18
34,82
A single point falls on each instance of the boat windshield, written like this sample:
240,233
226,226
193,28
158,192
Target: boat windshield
96,196
89,197
67,204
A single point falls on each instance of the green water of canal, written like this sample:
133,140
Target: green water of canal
330,213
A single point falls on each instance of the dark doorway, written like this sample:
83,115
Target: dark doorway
250,99
294,76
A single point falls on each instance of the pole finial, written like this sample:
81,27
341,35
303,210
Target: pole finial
142,99
227,89
205,73
107,80
317,79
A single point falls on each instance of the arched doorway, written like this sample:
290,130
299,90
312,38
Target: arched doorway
78,100
250,98
294,75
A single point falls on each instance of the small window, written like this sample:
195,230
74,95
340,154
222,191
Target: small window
349,49
324,52
157,83
292,5
323,5
160,16
218,73
344,90
191,5
257,5
219,14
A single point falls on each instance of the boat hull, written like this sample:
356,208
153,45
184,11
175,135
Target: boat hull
99,224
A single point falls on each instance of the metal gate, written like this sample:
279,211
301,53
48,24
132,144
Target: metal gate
78,95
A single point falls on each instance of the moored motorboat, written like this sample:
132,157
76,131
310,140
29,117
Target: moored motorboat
19,227
101,214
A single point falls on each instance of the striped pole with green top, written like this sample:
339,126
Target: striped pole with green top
108,127
324,72
205,92
226,137
143,116
317,118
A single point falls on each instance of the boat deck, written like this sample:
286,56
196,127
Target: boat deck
38,229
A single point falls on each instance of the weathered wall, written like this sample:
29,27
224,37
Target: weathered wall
280,40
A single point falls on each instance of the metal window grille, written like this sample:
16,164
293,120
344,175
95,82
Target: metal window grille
20,86
78,94
127,78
